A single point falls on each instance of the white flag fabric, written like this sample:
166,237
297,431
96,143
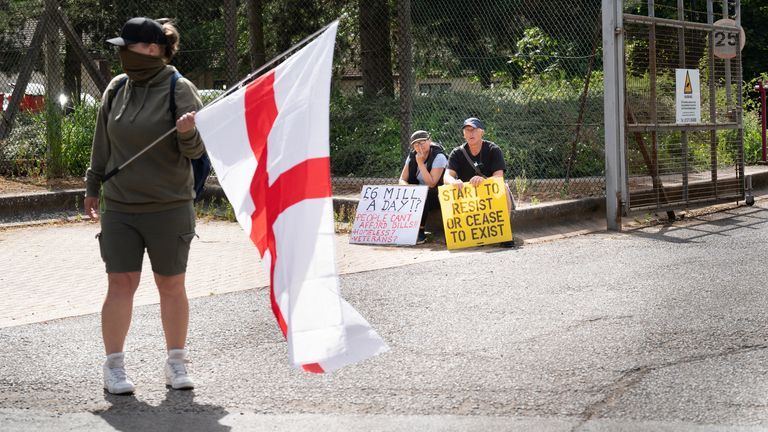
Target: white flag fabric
269,146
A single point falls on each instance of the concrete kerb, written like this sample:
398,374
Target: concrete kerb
543,222
30,205
759,180
525,219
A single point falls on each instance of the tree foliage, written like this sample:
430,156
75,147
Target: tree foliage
13,30
755,54
375,48
482,37
479,38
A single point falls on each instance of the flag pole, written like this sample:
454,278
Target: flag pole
229,91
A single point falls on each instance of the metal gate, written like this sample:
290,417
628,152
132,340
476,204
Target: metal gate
682,89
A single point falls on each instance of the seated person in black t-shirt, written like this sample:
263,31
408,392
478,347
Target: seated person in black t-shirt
476,160
424,166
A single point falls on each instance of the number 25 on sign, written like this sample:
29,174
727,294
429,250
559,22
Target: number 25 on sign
726,42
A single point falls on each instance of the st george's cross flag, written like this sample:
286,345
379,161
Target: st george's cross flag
268,143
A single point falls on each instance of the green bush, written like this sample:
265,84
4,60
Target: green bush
365,137
533,124
27,141
753,138
753,126
77,131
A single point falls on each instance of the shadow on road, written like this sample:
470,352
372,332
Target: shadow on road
694,229
177,412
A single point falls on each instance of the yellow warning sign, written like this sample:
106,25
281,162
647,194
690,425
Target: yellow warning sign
687,96
688,89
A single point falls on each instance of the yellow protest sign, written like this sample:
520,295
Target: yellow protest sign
475,216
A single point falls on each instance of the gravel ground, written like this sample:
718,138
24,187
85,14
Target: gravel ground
664,324
659,328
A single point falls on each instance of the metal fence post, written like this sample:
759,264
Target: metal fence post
683,65
614,110
53,112
405,70
712,95
739,96
761,88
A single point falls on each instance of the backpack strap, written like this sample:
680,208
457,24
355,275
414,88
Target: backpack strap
172,104
472,164
118,86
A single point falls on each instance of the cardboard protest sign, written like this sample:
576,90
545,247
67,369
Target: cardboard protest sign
475,216
388,215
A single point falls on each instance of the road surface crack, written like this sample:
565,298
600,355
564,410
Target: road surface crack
631,377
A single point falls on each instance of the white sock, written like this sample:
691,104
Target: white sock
116,360
177,355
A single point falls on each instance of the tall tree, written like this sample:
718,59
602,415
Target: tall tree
256,33
754,15
51,44
16,19
294,20
375,48
230,40
450,36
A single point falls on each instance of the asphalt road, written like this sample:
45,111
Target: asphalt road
662,328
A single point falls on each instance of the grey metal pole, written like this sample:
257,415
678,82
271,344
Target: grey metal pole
728,96
613,110
623,179
683,64
654,168
712,97
53,86
739,100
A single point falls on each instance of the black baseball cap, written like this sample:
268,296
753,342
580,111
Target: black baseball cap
140,29
474,122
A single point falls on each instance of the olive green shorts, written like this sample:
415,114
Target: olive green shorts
165,235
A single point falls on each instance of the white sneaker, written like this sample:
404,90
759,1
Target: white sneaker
176,375
115,379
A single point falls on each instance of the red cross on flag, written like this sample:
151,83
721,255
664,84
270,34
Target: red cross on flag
268,143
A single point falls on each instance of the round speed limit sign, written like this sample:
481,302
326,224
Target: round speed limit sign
726,41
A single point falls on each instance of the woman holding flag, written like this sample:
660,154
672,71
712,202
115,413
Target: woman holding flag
148,204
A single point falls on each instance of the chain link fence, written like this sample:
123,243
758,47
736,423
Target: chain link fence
530,69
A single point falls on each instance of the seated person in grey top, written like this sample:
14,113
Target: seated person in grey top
424,166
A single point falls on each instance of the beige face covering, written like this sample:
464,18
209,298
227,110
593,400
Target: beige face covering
140,67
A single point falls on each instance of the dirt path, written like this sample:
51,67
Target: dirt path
17,185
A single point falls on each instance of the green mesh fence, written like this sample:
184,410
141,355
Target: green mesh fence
531,70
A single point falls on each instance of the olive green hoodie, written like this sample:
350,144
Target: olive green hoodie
161,178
